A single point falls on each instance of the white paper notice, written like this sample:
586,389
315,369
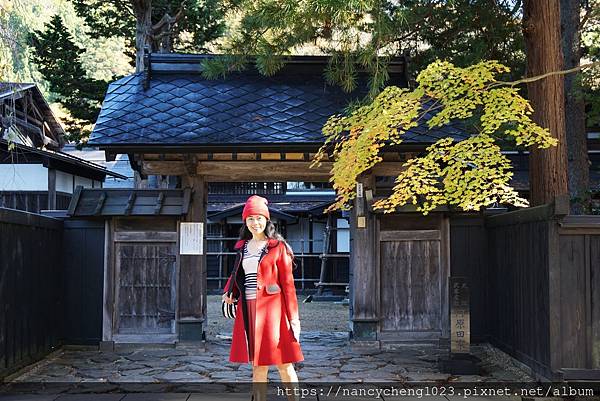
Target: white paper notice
190,238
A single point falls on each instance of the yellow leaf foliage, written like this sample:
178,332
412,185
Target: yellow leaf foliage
470,174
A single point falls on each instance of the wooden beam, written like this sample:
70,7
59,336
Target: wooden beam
37,112
187,197
263,171
51,189
190,162
110,157
29,126
410,235
192,268
164,167
294,156
364,263
159,202
222,156
387,169
130,203
74,200
108,283
391,156
257,170
246,156
30,120
49,141
241,171
270,156
100,203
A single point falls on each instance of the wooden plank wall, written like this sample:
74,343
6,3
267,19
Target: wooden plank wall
83,263
468,258
544,291
519,298
579,289
30,288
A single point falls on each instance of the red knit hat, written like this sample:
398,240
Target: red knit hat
256,205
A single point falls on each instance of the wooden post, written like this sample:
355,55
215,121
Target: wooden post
51,189
364,267
108,307
325,252
192,269
559,208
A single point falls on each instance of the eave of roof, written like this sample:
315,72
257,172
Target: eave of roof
99,202
65,158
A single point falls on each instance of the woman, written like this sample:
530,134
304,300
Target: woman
266,330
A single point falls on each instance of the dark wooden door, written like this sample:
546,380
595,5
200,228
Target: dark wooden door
146,288
412,283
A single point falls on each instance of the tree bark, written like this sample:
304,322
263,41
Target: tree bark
143,30
547,167
577,152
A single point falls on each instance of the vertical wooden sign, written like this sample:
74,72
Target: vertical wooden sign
361,221
460,327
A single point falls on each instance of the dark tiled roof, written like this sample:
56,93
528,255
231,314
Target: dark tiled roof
129,202
245,109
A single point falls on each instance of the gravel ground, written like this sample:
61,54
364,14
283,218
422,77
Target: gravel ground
314,316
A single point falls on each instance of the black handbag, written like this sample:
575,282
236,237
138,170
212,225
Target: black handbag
228,310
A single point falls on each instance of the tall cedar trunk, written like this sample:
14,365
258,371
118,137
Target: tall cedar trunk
547,167
143,29
579,172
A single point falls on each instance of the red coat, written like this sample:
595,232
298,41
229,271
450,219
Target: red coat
274,339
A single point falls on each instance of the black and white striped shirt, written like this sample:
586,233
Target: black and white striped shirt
250,265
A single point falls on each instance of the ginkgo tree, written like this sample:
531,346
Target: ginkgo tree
471,173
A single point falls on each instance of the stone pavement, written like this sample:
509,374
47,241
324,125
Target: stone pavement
329,358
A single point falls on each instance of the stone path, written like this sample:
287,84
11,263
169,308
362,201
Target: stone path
329,358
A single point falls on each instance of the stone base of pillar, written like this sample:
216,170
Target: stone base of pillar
191,331
363,331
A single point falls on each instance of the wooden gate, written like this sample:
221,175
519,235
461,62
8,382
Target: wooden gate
145,284
414,276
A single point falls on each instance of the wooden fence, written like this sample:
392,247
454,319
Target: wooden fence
83,279
468,259
544,289
30,287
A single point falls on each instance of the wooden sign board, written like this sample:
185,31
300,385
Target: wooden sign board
460,330
191,237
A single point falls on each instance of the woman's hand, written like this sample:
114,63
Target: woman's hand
226,299
296,329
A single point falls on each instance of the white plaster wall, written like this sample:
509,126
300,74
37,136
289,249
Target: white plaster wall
23,177
64,182
343,236
85,182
